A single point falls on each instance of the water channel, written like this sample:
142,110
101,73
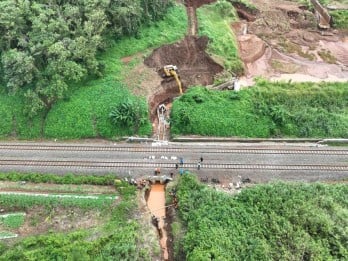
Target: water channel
156,204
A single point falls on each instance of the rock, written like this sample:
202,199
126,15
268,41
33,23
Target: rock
251,47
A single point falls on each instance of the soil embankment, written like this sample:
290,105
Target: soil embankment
283,42
195,66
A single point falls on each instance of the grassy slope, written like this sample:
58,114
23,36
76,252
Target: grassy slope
267,110
280,221
215,22
85,113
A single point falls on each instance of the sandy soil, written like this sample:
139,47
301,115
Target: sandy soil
294,48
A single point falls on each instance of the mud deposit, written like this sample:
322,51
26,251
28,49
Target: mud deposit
284,43
156,204
195,66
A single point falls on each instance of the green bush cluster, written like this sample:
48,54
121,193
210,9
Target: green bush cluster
217,113
340,18
280,221
303,109
266,110
13,122
59,179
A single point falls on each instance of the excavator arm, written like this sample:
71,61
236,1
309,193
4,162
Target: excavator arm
177,80
170,70
324,18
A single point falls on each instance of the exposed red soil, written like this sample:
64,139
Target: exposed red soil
198,3
195,67
251,47
285,43
245,12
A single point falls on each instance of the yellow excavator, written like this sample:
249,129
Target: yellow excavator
171,71
323,16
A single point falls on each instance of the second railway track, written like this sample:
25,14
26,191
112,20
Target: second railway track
152,165
171,149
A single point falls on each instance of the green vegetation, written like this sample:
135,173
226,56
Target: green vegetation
59,179
116,239
13,220
47,45
81,201
84,108
211,113
340,18
280,221
267,110
84,116
215,21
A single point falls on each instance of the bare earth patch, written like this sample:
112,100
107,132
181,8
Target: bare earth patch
294,48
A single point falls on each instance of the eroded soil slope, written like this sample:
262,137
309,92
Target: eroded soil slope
195,66
284,42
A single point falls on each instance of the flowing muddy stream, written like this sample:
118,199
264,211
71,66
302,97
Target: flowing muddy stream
156,204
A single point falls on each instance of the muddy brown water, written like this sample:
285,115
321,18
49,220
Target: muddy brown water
156,204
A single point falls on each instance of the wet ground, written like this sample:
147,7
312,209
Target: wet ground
156,205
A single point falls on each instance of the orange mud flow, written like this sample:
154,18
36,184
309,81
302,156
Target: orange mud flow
156,204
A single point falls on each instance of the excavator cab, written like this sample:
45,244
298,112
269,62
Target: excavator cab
172,71
169,69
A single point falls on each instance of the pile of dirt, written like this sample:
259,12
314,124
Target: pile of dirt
195,67
245,12
251,47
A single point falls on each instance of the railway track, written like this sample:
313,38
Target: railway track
201,150
166,165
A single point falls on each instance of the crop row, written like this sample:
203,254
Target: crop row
24,201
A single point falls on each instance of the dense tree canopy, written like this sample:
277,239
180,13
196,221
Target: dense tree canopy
46,44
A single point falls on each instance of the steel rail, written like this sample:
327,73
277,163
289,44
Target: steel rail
126,164
201,150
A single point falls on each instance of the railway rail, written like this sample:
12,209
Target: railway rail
165,165
197,149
